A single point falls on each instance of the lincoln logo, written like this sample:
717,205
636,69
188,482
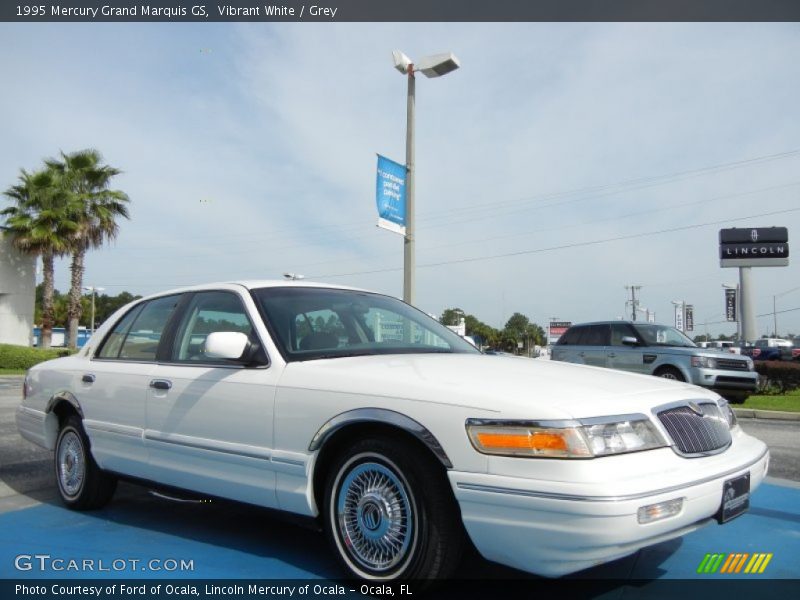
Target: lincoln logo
754,235
695,408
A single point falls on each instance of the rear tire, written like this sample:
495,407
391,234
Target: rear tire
390,514
82,485
670,373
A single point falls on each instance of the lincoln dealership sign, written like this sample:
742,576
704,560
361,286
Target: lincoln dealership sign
759,247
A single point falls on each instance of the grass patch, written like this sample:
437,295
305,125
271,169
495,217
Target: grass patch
12,372
789,402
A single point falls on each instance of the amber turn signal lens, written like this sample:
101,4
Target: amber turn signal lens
531,441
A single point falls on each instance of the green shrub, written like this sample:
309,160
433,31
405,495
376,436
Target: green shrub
779,376
23,357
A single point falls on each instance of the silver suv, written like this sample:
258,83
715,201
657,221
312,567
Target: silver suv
657,350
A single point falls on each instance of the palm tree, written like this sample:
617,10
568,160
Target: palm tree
42,223
87,181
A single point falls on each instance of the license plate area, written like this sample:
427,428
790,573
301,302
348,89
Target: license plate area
735,498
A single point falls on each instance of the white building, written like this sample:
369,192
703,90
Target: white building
17,294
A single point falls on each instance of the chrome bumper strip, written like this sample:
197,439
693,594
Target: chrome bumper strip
571,497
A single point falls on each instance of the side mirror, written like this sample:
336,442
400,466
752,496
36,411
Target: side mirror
230,345
629,340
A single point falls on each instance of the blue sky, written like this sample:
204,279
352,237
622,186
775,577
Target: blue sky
249,150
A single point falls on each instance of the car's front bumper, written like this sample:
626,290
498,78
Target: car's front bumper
552,528
721,380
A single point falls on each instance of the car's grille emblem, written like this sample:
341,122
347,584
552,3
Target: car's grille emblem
696,429
696,409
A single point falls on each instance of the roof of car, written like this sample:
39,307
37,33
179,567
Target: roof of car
254,284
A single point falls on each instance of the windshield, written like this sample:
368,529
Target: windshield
311,323
661,335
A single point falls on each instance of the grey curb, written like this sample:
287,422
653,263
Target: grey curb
749,413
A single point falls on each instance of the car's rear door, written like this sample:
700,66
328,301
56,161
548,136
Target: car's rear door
210,420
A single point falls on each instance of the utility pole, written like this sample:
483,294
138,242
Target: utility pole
633,301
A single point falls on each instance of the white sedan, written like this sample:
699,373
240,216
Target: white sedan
399,436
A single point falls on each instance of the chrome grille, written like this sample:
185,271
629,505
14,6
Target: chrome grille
728,364
696,434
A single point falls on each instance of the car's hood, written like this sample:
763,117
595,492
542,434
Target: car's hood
501,386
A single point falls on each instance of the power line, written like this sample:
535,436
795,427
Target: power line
648,181
563,246
769,314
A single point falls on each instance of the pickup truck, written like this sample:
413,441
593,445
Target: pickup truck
770,349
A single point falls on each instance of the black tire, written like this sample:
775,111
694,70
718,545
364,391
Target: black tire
384,493
82,485
670,373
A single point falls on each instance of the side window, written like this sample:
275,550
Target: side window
208,312
619,331
141,340
113,343
570,337
595,335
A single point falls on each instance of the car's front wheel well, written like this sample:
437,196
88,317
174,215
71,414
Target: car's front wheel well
348,434
670,372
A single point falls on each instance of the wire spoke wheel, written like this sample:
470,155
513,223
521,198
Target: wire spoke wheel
375,516
71,463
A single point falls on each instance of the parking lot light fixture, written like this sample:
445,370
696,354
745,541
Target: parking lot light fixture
93,290
431,66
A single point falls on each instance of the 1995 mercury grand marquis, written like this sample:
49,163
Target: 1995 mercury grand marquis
402,438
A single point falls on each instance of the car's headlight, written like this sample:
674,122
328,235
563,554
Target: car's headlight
565,439
728,413
704,362
751,366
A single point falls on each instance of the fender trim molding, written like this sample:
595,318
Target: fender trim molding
384,416
65,397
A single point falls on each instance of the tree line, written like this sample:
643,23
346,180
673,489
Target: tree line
66,207
105,306
518,328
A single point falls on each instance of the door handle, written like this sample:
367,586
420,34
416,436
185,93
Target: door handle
611,355
582,354
160,384
88,378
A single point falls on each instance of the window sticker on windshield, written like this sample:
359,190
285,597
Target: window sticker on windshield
661,336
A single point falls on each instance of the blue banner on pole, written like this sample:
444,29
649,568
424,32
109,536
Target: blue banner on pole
390,195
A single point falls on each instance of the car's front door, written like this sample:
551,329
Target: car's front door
628,357
210,420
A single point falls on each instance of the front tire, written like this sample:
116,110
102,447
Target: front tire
389,513
671,373
82,485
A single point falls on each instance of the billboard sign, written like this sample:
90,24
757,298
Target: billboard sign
557,329
689,320
730,305
390,195
755,247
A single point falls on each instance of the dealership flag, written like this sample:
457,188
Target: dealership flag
390,195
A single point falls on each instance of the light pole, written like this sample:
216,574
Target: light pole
430,66
93,289
774,310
